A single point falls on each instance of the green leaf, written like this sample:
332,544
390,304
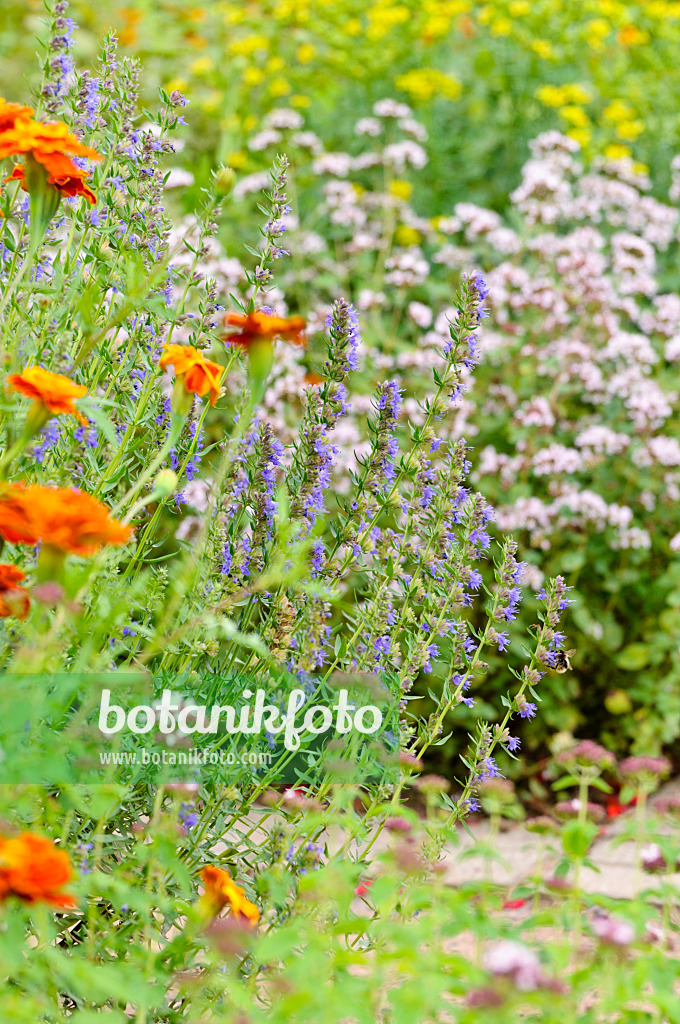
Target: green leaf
577,837
633,657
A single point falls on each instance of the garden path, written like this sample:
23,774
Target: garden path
614,874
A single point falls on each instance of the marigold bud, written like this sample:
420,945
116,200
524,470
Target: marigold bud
224,179
165,483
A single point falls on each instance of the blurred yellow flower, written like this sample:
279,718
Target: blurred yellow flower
617,110
300,101
353,27
629,130
306,53
501,27
179,84
597,31
247,46
253,75
630,35
382,19
616,151
563,95
279,87
401,189
275,63
249,122
519,7
212,102
233,15
202,65
598,27
425,83
543,47
581,135
406,235
574,115
237,160
435,28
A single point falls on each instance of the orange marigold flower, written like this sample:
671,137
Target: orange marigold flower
14,599
61,517
10,113
221,889
32,868
200,375
72,184
259,326
53,390
51,145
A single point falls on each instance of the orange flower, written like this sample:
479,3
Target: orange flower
10,113
51,145
260,326
52,390
33,869
72,184
221,889
14,600
200,375
60,517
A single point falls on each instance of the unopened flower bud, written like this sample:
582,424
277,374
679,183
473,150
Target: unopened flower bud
165,483
224,179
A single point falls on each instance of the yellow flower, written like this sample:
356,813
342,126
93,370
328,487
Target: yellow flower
501,27
249,122
176,84
279,87
617,110
275,63
353,27
616,151
247,46
435,28
575,115
519,7
563,95
300,101
306,53
401,189
630,130
575,93
201,66
382,19
406,235
212,101
630,35
597,31
581,135
424,83
237,160
550,95
252,75
543,47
